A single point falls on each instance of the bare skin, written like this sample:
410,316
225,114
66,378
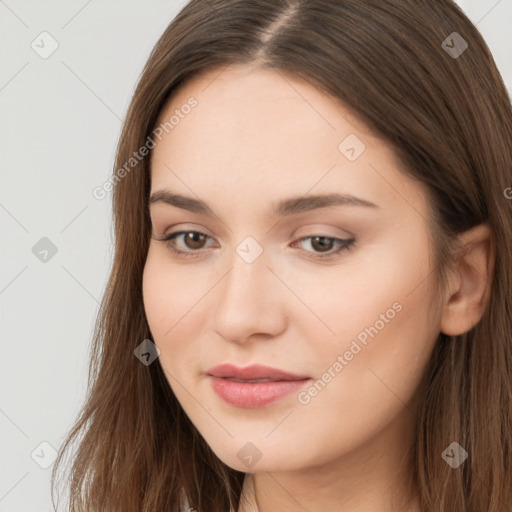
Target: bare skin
257,137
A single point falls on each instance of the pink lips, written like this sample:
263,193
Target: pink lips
237,386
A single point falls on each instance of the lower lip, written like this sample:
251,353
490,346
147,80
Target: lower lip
252,395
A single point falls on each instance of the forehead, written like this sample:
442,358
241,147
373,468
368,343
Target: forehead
259,133
265,101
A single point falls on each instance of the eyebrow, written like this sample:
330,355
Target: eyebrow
283,208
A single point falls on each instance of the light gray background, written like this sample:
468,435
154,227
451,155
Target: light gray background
61,117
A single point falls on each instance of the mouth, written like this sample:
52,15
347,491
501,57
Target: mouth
255,372
249,381
254,386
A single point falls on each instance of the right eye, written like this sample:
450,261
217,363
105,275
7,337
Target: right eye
193,239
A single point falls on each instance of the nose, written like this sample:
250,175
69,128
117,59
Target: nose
249,301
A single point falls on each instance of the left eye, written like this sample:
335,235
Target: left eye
326,243
194,240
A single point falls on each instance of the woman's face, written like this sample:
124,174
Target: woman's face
276,271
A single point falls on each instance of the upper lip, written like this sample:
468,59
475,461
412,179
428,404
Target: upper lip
252,372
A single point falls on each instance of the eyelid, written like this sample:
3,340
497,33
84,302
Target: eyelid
320,229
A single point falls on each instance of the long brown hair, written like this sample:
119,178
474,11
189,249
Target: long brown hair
447,115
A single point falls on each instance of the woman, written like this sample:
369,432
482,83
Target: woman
309,305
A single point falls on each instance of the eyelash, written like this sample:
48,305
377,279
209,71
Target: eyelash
347,244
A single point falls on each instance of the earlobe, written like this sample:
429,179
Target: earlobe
471,292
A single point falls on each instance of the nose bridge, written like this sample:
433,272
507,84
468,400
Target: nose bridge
247,297
247,281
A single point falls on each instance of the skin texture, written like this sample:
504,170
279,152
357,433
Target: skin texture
254,138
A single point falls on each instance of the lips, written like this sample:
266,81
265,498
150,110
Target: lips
254,386
254,373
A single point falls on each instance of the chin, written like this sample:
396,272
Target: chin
249,457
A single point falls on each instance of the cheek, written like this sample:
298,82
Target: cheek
375,313
168,293
156,300
173,306
345,299
384,331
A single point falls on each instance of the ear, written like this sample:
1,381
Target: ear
470,285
